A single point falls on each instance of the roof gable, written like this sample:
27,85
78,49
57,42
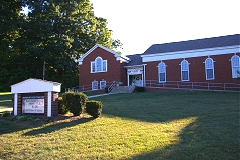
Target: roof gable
223,41
35,85
117,55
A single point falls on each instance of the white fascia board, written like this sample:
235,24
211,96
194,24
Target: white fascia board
117,55
134,66
120,58
35,85
80,60
190,53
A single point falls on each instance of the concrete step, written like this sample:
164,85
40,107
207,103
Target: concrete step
122,89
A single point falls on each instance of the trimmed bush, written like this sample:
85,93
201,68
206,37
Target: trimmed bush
94,108
139,89
62,109
75,102
6,113
106,90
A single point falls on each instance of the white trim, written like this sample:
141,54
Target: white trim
35,85
94,63
103,86
135,66
15,104
96,85
184,70
106,66
159,80
117,55
211,68
190,53
144,74
235,68
49,104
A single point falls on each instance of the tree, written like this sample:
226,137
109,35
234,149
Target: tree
57,32
10,21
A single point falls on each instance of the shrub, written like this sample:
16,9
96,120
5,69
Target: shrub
6,113
106,90
139,89
75,102
62,109
94,108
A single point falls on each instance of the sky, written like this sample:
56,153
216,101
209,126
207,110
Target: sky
138,23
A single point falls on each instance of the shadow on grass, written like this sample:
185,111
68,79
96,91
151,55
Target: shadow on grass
199,140
214,134
42,126
55,126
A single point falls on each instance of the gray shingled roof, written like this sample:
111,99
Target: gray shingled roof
222,41
136,59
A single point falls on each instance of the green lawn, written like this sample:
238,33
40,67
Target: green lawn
6,100
181,125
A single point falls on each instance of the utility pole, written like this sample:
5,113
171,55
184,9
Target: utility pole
44,69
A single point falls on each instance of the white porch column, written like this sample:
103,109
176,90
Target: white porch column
15,104
144,74
49,104
128,79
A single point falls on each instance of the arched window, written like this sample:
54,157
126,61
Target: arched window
209,69
162,72
235,61
185,70
99,65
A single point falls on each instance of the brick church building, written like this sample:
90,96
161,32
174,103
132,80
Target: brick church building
200,62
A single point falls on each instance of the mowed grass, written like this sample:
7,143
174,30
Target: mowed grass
6,100
180,125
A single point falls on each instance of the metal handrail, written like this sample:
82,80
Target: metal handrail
193,85
110,88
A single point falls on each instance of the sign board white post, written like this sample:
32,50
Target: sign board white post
15,103
49,113
34,96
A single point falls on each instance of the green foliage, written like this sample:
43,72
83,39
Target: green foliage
94,108
6,113
75,102
24,117
139,89
54,32
62,109
106,90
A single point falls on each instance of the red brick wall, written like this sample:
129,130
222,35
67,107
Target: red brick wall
114,68
222,69
19,102
54,108
123,74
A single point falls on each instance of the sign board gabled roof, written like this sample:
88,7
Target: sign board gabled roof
35,85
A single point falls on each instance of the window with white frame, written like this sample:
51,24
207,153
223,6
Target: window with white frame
94,85
162,72
103,84
209,69
99,65
185,70
235,61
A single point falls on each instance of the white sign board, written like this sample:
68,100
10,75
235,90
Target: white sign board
33,104
135,71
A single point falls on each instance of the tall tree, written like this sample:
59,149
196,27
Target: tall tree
58,32
10,21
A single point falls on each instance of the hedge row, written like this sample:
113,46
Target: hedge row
77,102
